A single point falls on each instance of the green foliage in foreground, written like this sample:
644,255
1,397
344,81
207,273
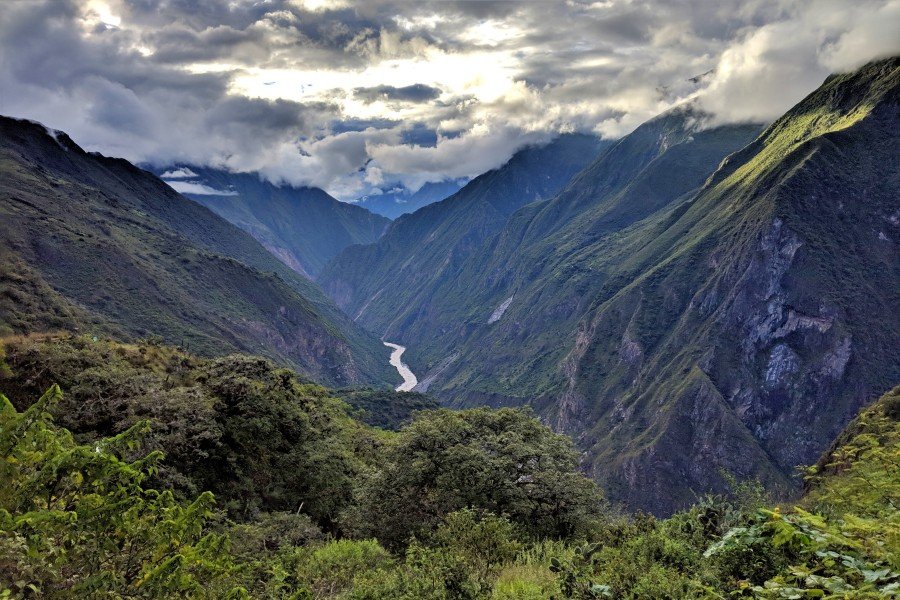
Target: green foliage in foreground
488,507
257,436
76,520
502,460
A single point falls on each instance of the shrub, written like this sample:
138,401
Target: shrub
503,461
76,521
333,567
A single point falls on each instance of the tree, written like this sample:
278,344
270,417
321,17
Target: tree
503,461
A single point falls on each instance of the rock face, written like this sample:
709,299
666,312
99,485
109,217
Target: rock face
697,300
94,244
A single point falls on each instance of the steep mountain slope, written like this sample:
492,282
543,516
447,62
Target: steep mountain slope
859,471
735,328
526,285
388,281
304,227
763,313
94,243
400,201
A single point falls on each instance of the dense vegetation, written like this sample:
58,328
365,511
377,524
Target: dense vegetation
384,407
310,503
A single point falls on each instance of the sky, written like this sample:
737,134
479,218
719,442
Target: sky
357,97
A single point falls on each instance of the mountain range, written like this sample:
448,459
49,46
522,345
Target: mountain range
692,303
701,301
303,226
390,280
398,200
95,244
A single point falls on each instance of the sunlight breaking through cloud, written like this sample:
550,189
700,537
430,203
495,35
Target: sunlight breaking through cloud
267,86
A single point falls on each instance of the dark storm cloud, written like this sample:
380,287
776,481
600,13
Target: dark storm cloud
345,125
179,44
420,135
267,115
199,14
418,92
240,84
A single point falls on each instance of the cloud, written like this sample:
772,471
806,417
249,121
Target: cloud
200,189
450,158
772,67
346,96
182,173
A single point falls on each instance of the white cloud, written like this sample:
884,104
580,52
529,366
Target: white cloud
284,87
200,189
772,67
872,34
463,156
182,173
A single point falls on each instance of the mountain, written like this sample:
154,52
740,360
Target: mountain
398,200
681,317
523,292
304,227
741,329
388,281
95,244
448,289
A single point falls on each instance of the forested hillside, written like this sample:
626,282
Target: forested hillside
303,226
309,503
94,244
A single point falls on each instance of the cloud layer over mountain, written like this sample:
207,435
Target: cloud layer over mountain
347,95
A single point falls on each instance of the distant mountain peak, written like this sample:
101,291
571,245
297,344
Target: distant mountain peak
303,226
395,199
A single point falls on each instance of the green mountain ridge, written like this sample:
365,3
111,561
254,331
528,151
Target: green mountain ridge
386,282
679,317
95,244
304,227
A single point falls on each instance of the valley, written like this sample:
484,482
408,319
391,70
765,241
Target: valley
663,298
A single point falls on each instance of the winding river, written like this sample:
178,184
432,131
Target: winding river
409,378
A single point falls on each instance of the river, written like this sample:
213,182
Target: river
409,378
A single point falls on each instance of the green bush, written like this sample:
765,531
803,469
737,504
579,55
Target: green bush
333,567
503,461
76,521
